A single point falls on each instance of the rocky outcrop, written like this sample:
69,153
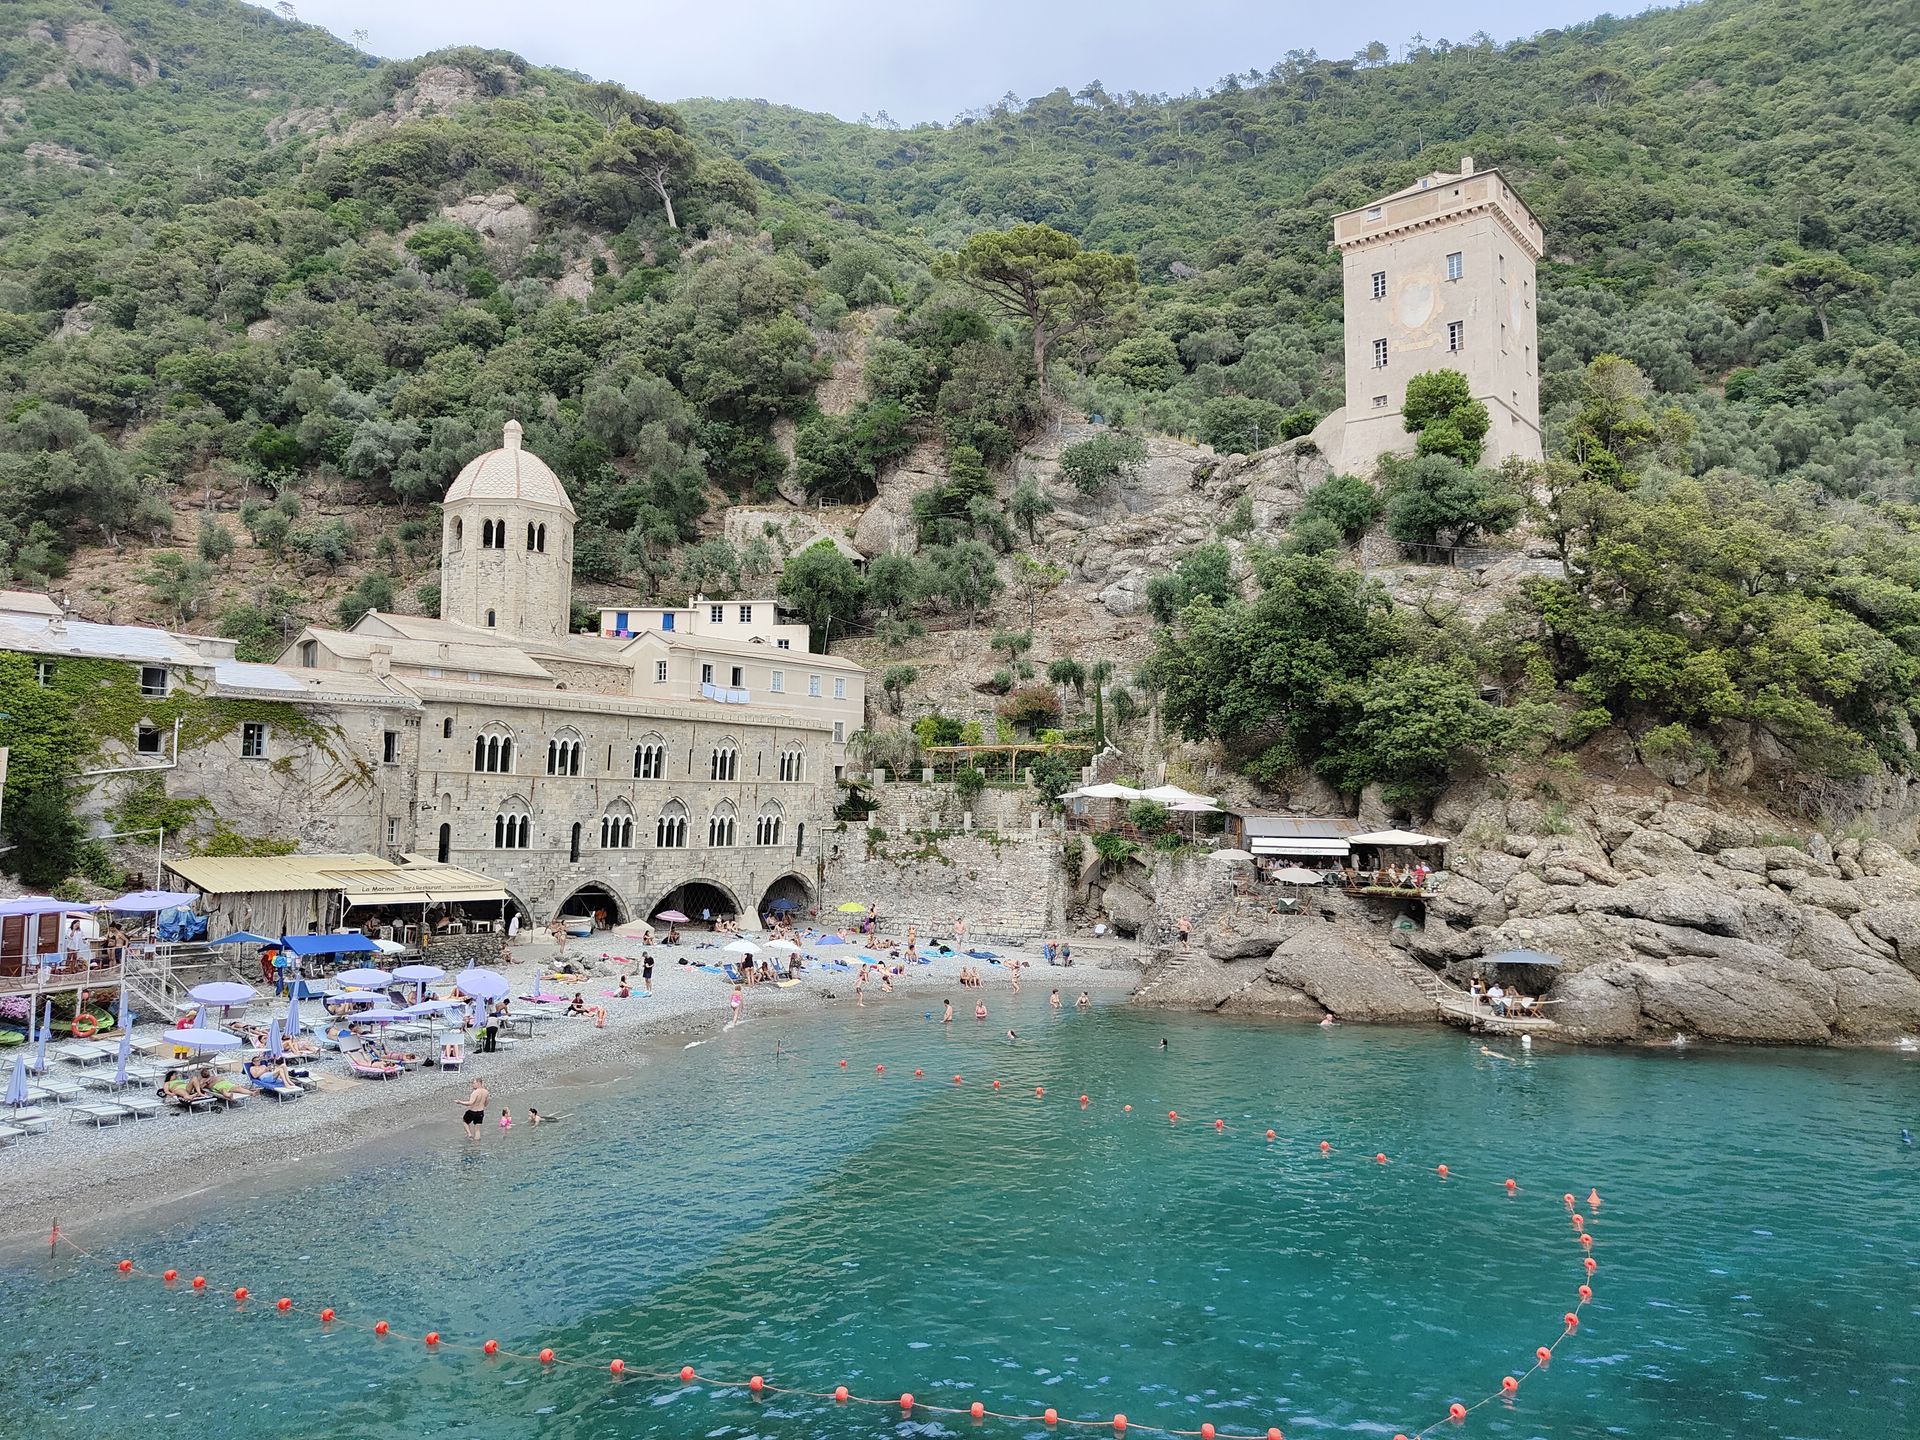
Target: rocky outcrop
499,217
1345,978
1674,917
94,45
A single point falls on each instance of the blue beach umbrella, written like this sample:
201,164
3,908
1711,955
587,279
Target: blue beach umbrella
125,1020
293,1012
40,1051
200,1018
203,1039
17,1084
224,993
126,1050
275,1043
483,984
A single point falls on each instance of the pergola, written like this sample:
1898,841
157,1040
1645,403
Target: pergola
957,753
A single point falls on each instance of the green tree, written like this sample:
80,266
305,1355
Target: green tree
178,583
822,587
1031,708
963,576
1028,505
1098,674
1092,465
1441,410
1204,570
1033,581
1068,671
372,591
1819,280
1346,502
215,542
895,682
1435,500
659,158
1041,276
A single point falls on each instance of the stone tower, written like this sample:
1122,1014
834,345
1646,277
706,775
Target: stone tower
506,545
1439,276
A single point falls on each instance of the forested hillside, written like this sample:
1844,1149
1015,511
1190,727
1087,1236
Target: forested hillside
260,297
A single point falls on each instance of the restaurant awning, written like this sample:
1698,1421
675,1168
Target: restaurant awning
1404,839
1325,845
419,897
350,944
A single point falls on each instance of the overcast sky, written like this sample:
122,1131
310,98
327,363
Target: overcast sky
917,59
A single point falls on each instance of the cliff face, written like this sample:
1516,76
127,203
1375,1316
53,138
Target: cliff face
1672,917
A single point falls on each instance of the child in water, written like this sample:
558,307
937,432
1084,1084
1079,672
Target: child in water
506,1118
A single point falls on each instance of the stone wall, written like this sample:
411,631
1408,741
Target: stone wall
1003,887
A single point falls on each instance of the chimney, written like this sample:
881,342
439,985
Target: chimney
1466,168
510,437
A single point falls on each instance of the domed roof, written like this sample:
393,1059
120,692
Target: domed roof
512,474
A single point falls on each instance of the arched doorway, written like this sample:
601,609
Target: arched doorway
789,895
594,900
445,847
698,900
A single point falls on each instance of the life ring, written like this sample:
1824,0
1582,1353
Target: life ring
84,1025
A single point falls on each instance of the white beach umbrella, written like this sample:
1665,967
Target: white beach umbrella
744,947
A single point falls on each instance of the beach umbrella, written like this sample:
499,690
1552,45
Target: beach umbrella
365,975
419,974
126,1051
633,929
293,1012
151,902
380,1015
1522,957
276,1042
784,906
244,937
785,947
125,1018
16,1095
1296,875
389,947
483,984
196,1038
356,997
40,1051
224,993
744,947
830,940
672,917
852,907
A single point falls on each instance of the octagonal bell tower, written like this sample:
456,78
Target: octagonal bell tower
506,545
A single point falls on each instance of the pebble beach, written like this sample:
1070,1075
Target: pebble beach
81,1174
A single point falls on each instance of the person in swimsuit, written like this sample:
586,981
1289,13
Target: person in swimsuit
734,1001
646,971
1054,1000
980,1011
1083,1002
947,1018
474,1112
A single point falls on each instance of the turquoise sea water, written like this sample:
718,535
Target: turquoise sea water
1759,1265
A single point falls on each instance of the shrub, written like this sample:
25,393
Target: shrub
1092,465
1031,708
969,781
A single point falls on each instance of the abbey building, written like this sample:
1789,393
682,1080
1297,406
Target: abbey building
677,755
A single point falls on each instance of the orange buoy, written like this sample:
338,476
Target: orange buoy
1039,1091
1381,1158
433,1337
125,1266
1586,1292
1325,1148
241,1294
686,1374
1593,1199
1573,1320
917,1074
1586,1241
840,1394
1206,1431
1578,1223
379,1327
199,1282
492,1347
1219,1124
1273,1433
996,1084
843,1064
283,1304
171,1276
616,1367
1456,1412
879,1069
326,1316
1591,1264
1509,1384
977,1410
1511,1186
1052,1417
1119,1424
546,1357
1269,1134
1441,1171
1567,1200
906,1400
756,1384
1543,1355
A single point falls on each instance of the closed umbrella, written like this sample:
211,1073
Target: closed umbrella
224,993
125,1018
120,1067
40,1050
16,1095
276,1042
293,1012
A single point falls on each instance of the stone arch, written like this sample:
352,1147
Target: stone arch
690,897
650,757
791,888
593,895
723,762
769,824
617,826
723,826
670,827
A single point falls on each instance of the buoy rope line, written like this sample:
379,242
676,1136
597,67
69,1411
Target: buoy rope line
757,1386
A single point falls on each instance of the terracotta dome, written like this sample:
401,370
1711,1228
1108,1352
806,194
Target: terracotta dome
511,474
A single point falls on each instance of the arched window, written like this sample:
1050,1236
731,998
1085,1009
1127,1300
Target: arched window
446,728
793,763
529,536
573,845
563,754
725,763
541,546
720,825
616,827
513,827
670,830
486,534
493,751
458,531
490,619
445,847
766,829
650,759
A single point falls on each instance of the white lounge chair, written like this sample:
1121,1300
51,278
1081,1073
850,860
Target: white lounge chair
33,1122
141,1107
9,1134
453,1055
98,1113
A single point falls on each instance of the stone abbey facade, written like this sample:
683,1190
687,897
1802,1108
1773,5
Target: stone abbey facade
672,761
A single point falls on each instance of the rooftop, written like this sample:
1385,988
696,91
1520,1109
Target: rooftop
510,473
365,879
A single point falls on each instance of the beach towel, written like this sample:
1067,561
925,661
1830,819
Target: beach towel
981,955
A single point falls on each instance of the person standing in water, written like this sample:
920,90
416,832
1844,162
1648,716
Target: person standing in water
1054,1000
947,1018
474,1113
734,1002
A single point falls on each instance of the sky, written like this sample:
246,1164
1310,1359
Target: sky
917,59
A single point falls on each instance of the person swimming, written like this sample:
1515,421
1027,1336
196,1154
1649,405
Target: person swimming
1163,1042
1012,1036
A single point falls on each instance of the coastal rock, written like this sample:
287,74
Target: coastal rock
1468,902
1715,1004
1127,909
1351,982
1669,902
1898,926
1654,852
1599,1003
1231,945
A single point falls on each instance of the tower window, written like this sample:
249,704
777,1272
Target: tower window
490,617
446,728
1456,335
390,747
1456,267
1379,363
1379,402
1379,284
529,535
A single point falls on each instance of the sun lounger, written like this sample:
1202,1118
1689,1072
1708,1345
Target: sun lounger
9,1134
97,1113
141,1107
229,1092
60,1091
452,1055
276,1088
32,1121
84,1052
